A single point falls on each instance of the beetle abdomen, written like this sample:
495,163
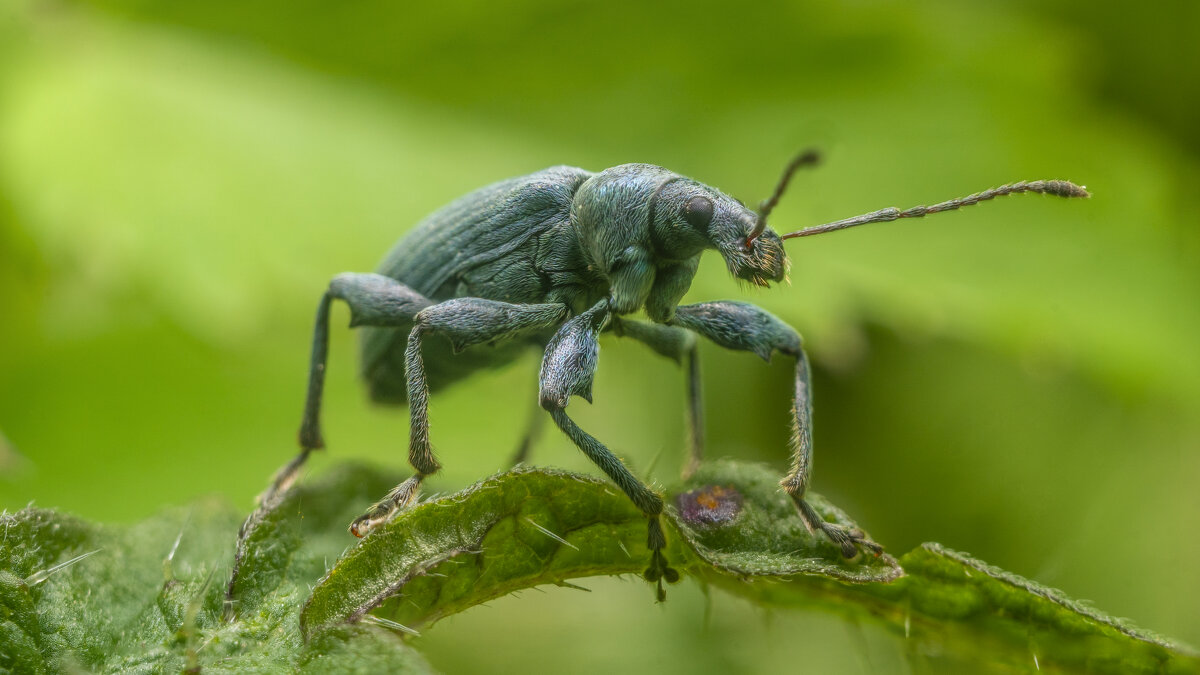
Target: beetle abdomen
485,244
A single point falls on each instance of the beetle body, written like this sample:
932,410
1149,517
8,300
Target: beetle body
553,259
556,236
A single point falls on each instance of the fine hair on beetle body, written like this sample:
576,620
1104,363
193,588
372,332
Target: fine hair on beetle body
552,259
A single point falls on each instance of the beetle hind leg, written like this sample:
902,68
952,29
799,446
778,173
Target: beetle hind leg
373,299
310,427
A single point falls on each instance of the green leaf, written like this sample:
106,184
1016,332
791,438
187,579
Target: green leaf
149,599
75,595
762,536
530,527
733,528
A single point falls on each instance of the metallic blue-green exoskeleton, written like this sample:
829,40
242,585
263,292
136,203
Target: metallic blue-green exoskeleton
552,260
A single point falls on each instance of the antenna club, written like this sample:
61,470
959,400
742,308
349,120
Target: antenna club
1065,188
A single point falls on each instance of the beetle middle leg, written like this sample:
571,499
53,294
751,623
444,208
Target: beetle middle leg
464,322
742,326
679,345
567,369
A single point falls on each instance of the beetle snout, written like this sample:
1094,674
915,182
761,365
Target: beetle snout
769,253
761,261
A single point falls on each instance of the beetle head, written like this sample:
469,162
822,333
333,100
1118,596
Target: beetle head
752,251
689,216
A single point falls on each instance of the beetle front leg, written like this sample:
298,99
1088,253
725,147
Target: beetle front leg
567,370
741,326
465,322
796,482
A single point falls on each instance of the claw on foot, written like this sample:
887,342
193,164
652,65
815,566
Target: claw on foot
848,540
368,521
400,497
659,570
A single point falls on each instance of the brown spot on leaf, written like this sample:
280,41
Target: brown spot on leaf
709,505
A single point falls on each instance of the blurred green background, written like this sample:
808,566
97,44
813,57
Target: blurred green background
178,182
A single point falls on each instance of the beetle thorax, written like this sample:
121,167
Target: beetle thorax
615,211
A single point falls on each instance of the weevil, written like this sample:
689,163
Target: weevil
553,259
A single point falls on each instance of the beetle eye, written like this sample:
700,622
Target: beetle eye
698,212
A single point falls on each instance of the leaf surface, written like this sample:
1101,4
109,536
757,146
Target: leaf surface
730,527
75,595
151,597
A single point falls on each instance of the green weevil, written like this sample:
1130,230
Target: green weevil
552,260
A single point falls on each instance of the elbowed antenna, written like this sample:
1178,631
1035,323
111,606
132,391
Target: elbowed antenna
807,158
1058,188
